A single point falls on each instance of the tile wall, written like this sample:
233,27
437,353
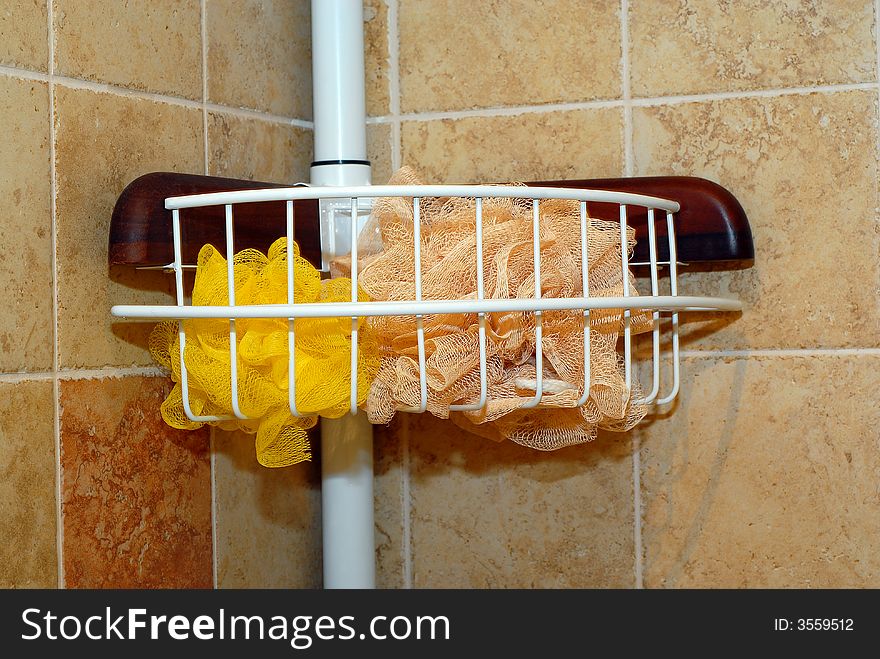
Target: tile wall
764,474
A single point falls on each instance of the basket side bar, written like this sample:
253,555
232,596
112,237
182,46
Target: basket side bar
373,191
412,308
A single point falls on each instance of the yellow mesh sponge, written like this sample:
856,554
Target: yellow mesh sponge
322,356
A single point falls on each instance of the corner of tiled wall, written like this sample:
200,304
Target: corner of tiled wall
763,473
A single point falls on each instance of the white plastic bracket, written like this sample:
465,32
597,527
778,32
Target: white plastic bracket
335,225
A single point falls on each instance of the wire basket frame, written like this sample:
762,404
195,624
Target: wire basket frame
671,304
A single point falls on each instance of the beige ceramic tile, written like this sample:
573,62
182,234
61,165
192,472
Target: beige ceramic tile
487,515
376,57
766,476
267,151
153,45
136,493
26,227
525,147
457,54
697,46
804,168
28,557
259,55
104,142
388,496
268,521
379,152
259,150
24,26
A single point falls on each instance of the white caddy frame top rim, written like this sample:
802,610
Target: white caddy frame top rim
421,191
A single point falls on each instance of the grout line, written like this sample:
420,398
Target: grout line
16,378
509,111
877,71
626,89
628,171
393,118
203,11
782,352
515,110
757,93
156,371
393,84
27,74
638,567
213,455
111,372
203,20
247,113
406,505
105,88
56,385
82,373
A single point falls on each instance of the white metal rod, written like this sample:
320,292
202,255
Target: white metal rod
539,343
627,311
585,285
233,341
655,316
291,299
412,308
340,141
673,290
499,191
353,409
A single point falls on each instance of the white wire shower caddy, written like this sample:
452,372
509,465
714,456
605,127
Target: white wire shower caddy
352,198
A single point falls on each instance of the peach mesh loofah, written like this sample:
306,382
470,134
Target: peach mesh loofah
323,353
448,253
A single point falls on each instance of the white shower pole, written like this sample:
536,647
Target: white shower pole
338,93
341,159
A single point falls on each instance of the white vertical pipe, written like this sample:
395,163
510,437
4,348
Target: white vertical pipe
338,93
340,159
347,502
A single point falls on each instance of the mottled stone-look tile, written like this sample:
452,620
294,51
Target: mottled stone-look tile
698,46
379,152
487,515
259,55
28,557
153,45
136,494
766,476
103,142
23,26
376,57
804,167
388,495
458,54
25,227
524,147
268,520
258,150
